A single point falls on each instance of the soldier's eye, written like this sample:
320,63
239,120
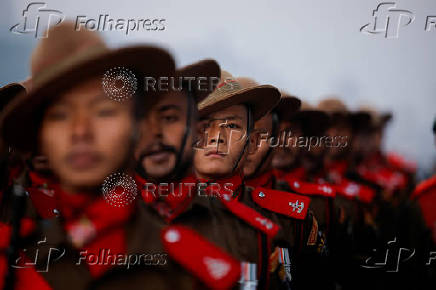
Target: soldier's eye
233,126
57,115
106,112
170,118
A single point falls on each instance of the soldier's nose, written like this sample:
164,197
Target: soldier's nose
81,128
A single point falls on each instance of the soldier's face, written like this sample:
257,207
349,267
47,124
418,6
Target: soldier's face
86,136
262,127
162,132
342,133
223,137
286,154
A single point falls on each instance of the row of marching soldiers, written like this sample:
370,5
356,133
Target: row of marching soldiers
109,185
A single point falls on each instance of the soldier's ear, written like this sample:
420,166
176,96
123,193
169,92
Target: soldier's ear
136,134
253,142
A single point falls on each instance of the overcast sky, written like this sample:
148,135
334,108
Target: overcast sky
311,48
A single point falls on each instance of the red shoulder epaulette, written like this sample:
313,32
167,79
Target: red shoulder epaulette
27,227
308,188
424,187
354,190
26,277
400,162
282,202
210,264
44,201
251,216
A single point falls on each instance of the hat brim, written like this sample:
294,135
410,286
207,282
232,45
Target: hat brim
9,92
207,69
261,99
287,107
21,119
360,121
312,122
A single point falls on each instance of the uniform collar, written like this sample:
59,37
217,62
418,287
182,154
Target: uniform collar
265,180
38,180
187,193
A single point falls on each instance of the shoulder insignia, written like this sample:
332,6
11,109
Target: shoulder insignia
282,202
205,261
251,216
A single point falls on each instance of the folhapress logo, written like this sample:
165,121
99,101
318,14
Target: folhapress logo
37,19
388,20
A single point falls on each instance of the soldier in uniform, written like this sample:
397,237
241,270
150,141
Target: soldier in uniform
300,241
78,124
425,195
226,151
199,213
169,190
10,162
354,199
395,221
301,174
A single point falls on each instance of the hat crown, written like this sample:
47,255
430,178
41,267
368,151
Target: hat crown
247,82
332,105
228,85
63,42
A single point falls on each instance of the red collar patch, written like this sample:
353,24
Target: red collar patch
282,202
207,262
263,180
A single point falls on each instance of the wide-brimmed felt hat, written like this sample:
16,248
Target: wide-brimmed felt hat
378,119
287,106
230,92
67,58
312,121
336,109
360,121
206,71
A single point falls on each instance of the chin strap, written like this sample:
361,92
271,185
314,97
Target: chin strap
274,134
179,167
247,140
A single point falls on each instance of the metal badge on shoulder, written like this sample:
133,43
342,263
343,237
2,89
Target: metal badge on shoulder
282,202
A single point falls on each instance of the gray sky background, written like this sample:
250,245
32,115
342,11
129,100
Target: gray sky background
311,48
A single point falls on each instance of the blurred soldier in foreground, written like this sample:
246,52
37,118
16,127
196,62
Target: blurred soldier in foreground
78,125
